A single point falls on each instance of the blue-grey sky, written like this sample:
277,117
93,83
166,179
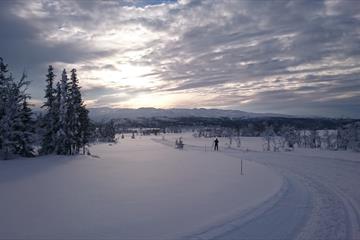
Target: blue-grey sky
282,56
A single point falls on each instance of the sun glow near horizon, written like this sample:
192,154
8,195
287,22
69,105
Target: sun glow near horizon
172,54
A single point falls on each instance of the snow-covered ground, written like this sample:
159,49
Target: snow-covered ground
319,200
144,188
136,189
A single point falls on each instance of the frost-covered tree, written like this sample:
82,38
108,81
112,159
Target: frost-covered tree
63,142
105,132
314,139
4,85
70,116
9,119
73,106
84,133
354,141
328,139
268,136
4,79
289,135
349,137
78,120
49,137
12,129
342,138
26,131
56,108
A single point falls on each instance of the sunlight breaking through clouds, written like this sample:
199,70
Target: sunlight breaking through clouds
292,56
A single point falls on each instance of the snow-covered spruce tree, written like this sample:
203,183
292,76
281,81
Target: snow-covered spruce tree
63,142
25,130
71,121
84,133
12,128
56,108
8,114
73,112
48,141
78,120
4,78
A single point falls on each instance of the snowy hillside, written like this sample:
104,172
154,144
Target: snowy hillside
136,189
99,114
144,188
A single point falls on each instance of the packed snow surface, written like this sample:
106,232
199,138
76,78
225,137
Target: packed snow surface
320,198
139,188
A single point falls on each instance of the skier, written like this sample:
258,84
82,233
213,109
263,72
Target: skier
216,145
179,143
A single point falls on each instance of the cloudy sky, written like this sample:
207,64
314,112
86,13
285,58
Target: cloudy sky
282,56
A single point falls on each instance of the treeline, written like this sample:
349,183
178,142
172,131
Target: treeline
248,126
345,137
64,128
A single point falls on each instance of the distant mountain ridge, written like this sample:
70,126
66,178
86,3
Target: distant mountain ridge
105,113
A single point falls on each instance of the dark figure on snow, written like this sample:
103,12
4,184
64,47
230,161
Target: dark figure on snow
216,145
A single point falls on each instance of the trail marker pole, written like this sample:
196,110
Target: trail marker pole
242,167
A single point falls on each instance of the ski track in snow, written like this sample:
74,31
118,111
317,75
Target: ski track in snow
333,187
320,200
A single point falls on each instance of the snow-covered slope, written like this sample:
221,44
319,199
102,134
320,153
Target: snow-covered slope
99,114
136,189
143,188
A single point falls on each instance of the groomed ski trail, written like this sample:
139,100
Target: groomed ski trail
320,200
333,187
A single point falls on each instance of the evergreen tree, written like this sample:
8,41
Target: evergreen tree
12,97
26,131
62,133
48,141
8,119
74,110
84,133
78,117
4,78
109,131
56,108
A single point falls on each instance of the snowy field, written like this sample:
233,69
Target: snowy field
136,189
144,188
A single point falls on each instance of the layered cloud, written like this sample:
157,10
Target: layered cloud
295,57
